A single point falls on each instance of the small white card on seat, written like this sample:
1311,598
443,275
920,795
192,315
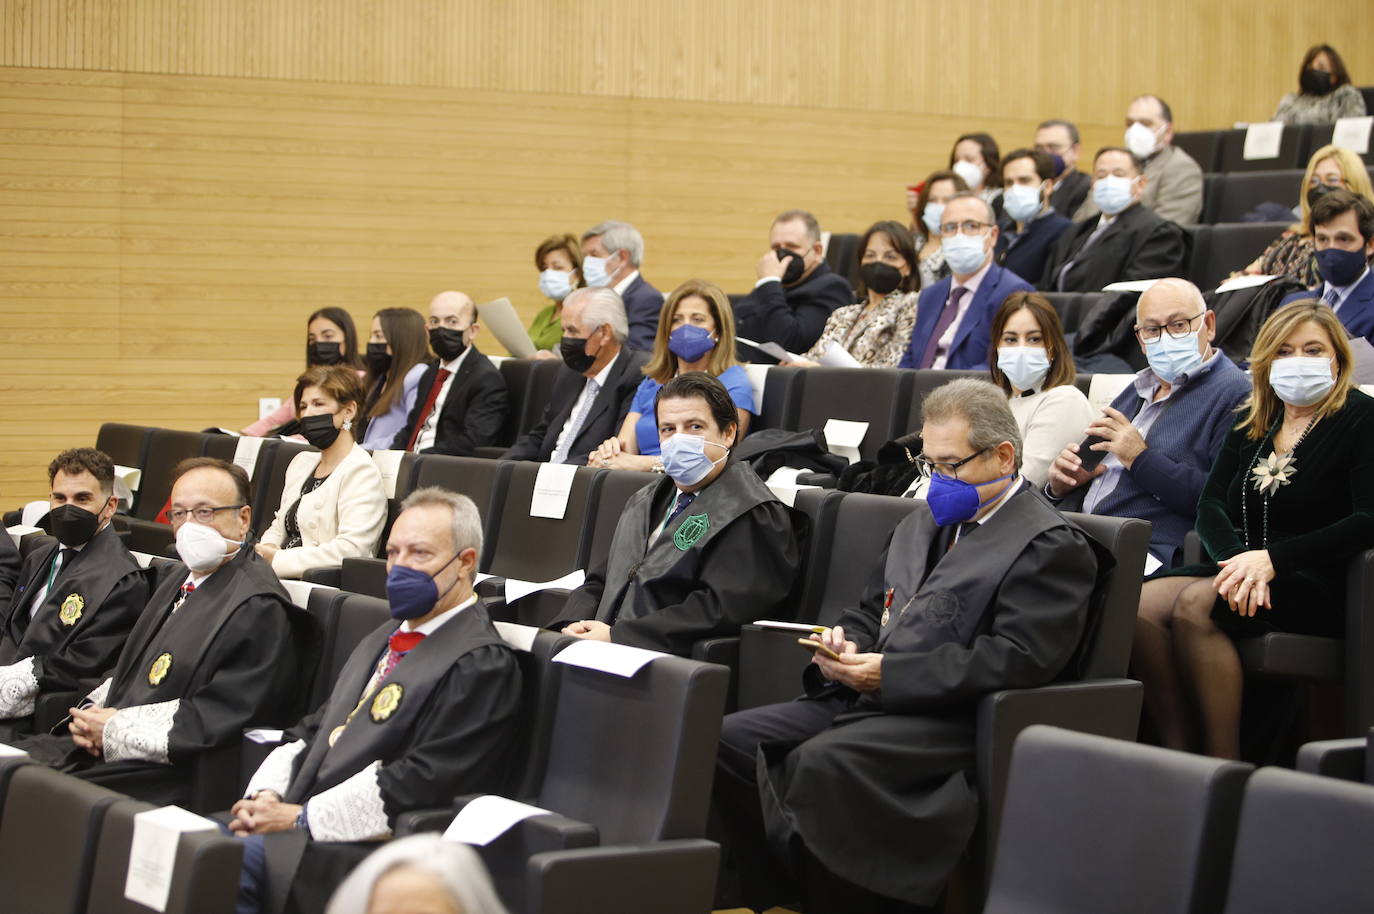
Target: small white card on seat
515,589
1103,388
1352,133
1262,141
843,437
153,852
487,818
551,488
1244,282
246,451
389,465
299,592
520,637
19,531
1130,285
616,659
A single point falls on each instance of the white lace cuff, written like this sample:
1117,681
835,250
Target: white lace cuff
140,732
98,695
18,689
351,811
275,771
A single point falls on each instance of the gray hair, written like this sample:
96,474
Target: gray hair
618,236
456,867
970,195
467,522
604,306
983,405
1071,127
805,217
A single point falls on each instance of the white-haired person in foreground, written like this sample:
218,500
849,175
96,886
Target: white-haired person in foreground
421,874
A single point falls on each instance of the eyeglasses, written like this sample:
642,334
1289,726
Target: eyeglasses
947,470
968,227
1148,333
203,514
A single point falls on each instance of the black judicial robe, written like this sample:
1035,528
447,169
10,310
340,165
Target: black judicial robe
9,569
76,634
729,558
237,653
885,797
444,729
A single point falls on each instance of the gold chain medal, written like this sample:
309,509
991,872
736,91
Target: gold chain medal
158,671
71,609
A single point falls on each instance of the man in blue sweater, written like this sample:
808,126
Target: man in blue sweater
1161,434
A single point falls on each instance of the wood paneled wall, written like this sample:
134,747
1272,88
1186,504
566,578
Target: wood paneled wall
181,183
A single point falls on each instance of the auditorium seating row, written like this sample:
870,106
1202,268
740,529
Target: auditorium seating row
1223,151
1096,825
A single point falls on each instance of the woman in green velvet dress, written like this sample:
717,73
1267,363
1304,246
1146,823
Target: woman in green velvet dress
1290,500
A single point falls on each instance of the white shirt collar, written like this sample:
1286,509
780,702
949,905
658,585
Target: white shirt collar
624,284
973,281
452,367
1344,291
605,372
432,625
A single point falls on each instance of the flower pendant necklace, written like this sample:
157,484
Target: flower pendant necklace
1269,475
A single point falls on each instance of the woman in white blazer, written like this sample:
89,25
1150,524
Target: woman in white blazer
333,505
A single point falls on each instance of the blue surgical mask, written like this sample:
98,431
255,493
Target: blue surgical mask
1301,380
1341,268
931,216
555,284
684,458
411,593
1172,357
1024,366
690,342
953,501
1021,201
965,254
594,271
1112,194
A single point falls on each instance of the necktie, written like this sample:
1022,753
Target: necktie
186,590
942,323
683,500
560,454
428,408
400,644
1332,297
58,559
1102,225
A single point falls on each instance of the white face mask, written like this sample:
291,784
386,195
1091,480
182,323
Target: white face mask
201,547
1022,201
972,174
1025,367
1141,140
1301,380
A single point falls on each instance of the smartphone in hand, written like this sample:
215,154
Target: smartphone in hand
816,647
1091,458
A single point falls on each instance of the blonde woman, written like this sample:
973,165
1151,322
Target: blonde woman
1289,501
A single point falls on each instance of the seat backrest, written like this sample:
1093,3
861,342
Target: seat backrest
820,507
538,548
1320,135
1233,152
923,381
877,396
484,481
204,877
269,480
48,833
166,448
123,444
1240,193
365,576
1230,247
780,397
1069,307
540,680
1107,646
1094,824
841,254
635,755
221,447
538,388
1203,145
613,489
517,374
861,527
1303,845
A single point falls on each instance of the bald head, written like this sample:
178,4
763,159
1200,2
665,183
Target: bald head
1171,293
454,306
1179,303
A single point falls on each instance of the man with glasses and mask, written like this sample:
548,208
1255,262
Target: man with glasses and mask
425,709
612,253
796,291
460,404
77,598
219,646
860,795
954,316
1161,434
595,386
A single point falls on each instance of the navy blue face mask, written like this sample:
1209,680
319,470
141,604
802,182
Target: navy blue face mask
413,593
1341,268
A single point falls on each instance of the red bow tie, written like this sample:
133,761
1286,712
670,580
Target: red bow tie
401,642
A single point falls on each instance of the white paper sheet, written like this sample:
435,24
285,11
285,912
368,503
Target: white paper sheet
246,451
551,487
131,476
19,531
500,318
516,589
299,591
1352,133
802,627
1130,285
1244,282
33,512
758,379
1103,388
787,494
8,751
771,349
389,465
153,852
481,576
843,437
520,637
264,735
616,659
1262,141
1152,564
786,476
487,818
836,356
267,406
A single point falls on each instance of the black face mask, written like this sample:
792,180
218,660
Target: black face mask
795,266
880,277
1315,82
324,353
71,525
447,344
319,430
378,359
574,354
1316,192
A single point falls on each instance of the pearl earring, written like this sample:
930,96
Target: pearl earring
348,425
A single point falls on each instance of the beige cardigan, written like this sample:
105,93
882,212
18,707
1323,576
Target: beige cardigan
343,517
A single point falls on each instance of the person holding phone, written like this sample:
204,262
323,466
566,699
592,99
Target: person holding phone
984,587
1158,438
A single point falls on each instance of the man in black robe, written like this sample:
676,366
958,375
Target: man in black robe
864,787
77,599
700,553
219,647
421,713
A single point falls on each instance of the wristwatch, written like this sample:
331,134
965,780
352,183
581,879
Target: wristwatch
657,468
302,821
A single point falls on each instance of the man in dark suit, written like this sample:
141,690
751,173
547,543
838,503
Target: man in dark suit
796,291
461,402
611,256
1124,241
954,316
1343,236
1031,226
1058,139
594,387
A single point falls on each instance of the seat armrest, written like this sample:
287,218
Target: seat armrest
1334,758
328,575
493,588
724,651
541,608
417,821
1192,548
667,877
770,666
824,480
216,785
